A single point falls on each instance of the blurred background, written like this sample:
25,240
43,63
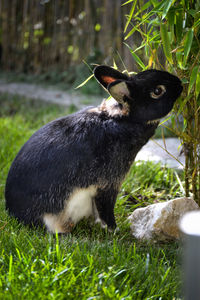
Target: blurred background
52,37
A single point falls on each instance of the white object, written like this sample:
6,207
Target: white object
190,227
190,223
160,221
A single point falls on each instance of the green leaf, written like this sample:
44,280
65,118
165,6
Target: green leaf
179,25
187,4
179,58
197,23
171,17
183,103
197,90
129,1
166,8
193,78
136,58
164,121
83,83
114,64
130,15
166,42
130,32
145,19
158,5
184,80
171,21
154,2
145,7
187,45
192,12
140,47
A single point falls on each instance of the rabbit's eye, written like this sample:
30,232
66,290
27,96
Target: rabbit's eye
158,92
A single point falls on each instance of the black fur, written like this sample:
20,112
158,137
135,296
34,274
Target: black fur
90,147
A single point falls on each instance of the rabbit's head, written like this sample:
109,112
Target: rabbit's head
147,96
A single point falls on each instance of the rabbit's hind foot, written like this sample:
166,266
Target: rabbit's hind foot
54,224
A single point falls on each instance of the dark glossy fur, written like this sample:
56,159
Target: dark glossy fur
90,147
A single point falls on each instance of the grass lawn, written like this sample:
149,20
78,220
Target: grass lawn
89,263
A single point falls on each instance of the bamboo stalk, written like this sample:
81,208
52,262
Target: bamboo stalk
187,184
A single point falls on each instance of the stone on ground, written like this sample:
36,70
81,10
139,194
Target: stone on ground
160,221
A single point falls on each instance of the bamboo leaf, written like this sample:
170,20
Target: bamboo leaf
193,78
183,103
197,23
164,121
179,25
127,2
145,19
144,7
130,15
130,33
166,42
187,45
197,90
114,64
192,12
140,47
83,83
166,8
136,58
154,2
179,57
158,5
171,17
171,21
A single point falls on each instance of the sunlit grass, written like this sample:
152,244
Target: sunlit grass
89,263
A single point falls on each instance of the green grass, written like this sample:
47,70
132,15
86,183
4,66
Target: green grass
89,263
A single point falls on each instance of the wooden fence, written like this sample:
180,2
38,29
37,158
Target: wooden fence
39,35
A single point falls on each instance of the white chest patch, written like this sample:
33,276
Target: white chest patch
77,206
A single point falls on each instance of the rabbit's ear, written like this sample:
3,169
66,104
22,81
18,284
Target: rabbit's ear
118,90
113,81
106,75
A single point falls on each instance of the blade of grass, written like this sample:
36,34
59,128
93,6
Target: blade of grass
167,152
180,183
84,82
10,268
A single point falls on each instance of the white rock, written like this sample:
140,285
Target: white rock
160,221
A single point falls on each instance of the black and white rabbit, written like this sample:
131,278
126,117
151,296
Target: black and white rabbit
73,167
